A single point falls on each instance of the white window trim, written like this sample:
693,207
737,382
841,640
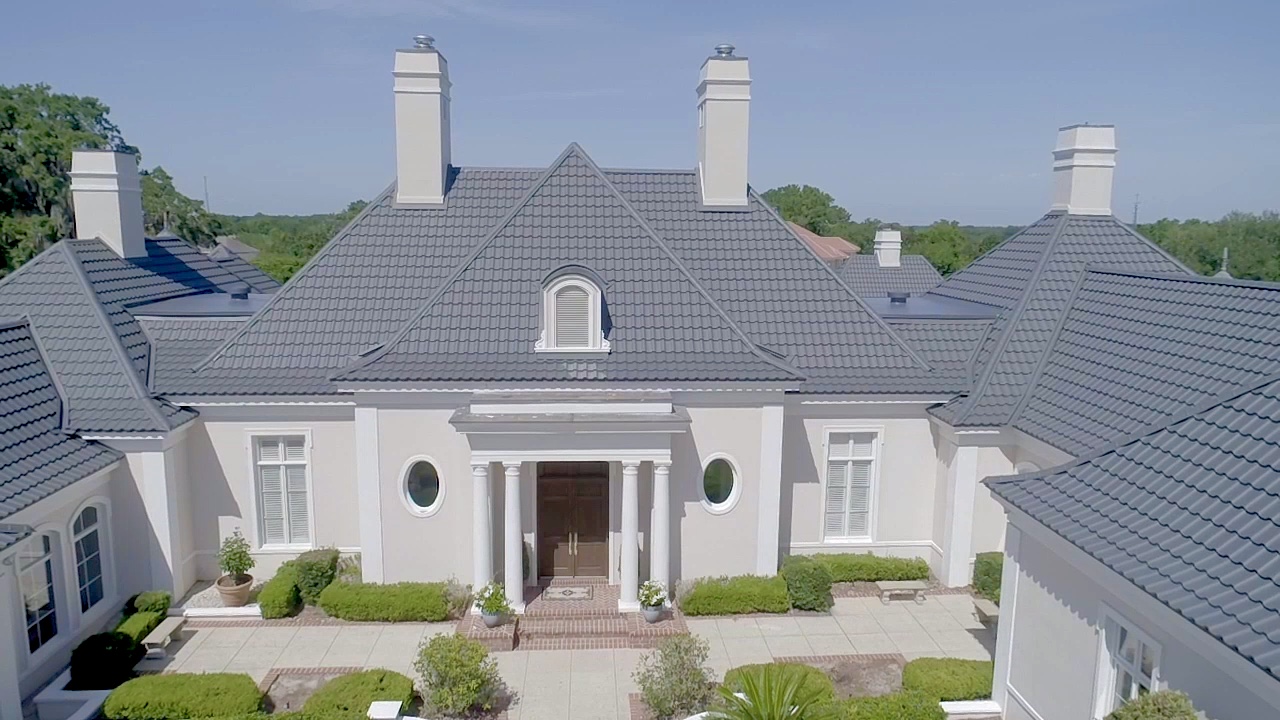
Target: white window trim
873,492
734,495
414,508
251,439
106,554
1105,678
546,341
61,617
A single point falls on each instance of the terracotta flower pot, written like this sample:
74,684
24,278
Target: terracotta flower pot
234,595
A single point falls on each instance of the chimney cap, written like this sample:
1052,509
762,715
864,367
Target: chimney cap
724,50
424,42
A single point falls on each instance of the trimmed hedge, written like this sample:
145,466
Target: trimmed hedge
949,678
349,696
401,602
902,705
104,661
736,596
865,567
183,695
279,596
814,679
1160,705
139,625
316,570
157,601
808,583
987,570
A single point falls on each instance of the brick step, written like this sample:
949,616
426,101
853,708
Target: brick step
570,609
574,627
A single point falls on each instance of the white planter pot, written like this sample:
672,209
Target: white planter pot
652,614
491,621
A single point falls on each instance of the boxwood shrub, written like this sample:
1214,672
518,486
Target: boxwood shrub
736,596
949,678
987,569
183,695
157,601
814,679
104,661
279,597
349,696
903,705
401,602
865,567
1159,705
139,625
808,583
316,570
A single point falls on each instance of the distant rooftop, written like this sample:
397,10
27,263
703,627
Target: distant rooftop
215,304
930,307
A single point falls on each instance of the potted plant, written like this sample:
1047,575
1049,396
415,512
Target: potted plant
492,601
653,599
236,562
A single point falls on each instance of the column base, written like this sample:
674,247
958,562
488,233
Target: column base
628,606
517,609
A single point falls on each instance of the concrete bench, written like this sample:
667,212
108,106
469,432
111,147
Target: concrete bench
157,640
889,588
987,611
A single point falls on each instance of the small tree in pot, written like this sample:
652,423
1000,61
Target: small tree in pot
653,598
236,562
492,601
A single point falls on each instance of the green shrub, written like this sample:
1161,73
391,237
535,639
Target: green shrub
348,696
814,680
183,695
139,625
316,570
902,705
808,583
104,661
157,601
736,595
349,569
401,602
458,676
1162,705
279,597
674,680
457,598
865,567
949,678
987,569
775,692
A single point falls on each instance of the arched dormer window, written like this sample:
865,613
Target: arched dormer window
573,317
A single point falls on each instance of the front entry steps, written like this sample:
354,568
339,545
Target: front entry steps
593,624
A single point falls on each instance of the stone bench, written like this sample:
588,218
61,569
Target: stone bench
888,588
157,640
987,611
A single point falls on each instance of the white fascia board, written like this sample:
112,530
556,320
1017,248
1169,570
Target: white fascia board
577,408
1042,449
204,401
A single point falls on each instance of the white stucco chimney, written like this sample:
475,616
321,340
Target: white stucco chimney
1084,163
724,107
888,247
107,198
422,124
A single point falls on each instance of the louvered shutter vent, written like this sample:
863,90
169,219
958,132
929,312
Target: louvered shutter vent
299,527
850,460
272,487
837,493
282,489
573,318
859,497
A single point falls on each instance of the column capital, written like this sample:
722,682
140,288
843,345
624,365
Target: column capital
478,467
664,464
509,465
630,464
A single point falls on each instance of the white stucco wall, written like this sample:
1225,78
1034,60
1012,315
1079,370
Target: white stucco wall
988,514
1055,645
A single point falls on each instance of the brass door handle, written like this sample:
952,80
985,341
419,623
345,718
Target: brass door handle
573,550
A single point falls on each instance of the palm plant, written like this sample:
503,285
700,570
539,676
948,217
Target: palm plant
774,692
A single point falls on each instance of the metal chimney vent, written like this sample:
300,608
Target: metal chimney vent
724,50
898,298
426,42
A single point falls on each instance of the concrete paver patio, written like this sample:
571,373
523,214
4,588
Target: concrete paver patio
594,684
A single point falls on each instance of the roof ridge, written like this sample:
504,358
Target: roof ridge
1178,277
135,383
302,271
1144,239
63,415
1049,346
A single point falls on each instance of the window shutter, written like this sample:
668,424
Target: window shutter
272,484
837,493
859,497
295,449
573,318
269,450
299,528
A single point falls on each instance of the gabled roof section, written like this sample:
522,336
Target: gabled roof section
483,322
828,248
1033,275
864,275
37,456
1188,513
1134,351
948,345
179,344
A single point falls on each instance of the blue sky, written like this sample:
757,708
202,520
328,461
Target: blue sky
907,111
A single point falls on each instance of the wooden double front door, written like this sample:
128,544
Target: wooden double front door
573,519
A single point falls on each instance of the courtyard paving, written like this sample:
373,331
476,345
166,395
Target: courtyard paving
594,684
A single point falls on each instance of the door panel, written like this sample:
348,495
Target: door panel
555,513
573,519
591,522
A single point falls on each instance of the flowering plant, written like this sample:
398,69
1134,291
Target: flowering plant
492,600
653,594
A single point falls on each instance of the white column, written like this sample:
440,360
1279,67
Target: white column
10,639
369,494
160,498
513,578
1004,628
660,532
481,526
770,503
957,541
629,601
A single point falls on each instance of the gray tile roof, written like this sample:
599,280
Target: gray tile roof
863,274
1188,513
1032,275
38,456
382,270
11,535
1134,351
948,345
179,344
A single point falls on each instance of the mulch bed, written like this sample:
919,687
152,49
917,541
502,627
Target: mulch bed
858,675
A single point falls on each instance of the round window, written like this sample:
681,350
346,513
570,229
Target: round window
422,486
719,485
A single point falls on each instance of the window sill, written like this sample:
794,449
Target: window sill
281,549
602,351
848,541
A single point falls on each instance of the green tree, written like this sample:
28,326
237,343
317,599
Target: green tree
163,206
1253,241
809,207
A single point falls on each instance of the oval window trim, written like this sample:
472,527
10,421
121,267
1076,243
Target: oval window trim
413,507
734,493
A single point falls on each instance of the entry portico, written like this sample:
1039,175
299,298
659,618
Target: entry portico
629,436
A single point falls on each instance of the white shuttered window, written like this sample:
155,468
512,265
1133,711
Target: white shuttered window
573,317
281,464
851,459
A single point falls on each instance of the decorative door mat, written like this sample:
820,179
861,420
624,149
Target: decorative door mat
567,592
